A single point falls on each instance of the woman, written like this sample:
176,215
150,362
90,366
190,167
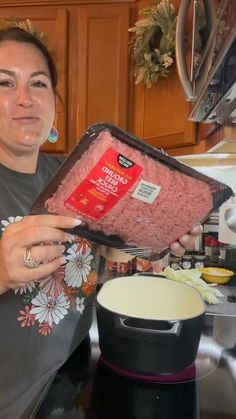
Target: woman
47,289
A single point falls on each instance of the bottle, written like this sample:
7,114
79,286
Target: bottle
214,250
207,247
222,253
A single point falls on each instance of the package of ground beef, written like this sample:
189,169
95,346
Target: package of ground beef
128,194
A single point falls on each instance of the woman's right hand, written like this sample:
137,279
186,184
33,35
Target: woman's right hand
33,233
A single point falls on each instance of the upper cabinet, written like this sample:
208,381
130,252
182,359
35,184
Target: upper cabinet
89,41
102,63
160,113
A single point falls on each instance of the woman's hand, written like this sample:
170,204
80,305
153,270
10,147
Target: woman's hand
177,248
27,237
186,242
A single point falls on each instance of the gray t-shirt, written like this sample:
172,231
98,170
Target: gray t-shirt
42,323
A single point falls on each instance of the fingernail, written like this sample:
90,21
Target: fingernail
184,239
177,249
197,229
76,221
175,246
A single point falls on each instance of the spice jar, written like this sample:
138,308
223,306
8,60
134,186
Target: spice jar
175,262
143,265
186,261
112,266
123,267
199,261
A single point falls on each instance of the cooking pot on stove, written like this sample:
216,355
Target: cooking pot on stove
149,325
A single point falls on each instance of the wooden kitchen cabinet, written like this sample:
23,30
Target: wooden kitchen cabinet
89,40
160,113
103,71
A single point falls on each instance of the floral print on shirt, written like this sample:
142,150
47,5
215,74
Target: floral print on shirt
48,301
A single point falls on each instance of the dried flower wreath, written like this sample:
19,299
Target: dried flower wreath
152,45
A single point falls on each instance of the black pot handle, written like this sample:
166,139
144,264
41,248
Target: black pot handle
168,335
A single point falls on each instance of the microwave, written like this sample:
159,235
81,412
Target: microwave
210,80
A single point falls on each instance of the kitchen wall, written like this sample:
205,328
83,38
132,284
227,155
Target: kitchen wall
221,167
224,174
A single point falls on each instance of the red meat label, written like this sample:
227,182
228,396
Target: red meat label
105,185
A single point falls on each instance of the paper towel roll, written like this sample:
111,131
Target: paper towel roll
225,234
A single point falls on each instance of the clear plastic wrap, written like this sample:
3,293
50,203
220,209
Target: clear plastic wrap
128,194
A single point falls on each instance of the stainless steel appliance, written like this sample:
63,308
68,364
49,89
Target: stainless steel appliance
210,83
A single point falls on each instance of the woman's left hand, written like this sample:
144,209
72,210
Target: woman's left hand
178,248
186,242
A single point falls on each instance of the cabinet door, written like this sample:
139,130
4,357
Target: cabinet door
160,113
102,84
53,23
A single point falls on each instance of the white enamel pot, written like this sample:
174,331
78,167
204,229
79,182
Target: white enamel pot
149,325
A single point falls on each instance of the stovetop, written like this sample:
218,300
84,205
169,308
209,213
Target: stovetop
84,388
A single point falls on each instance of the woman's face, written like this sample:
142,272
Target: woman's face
27,100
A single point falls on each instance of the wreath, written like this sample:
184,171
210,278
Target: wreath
152,44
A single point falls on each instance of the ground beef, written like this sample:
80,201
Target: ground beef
182,202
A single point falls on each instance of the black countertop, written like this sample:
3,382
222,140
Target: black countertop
85,389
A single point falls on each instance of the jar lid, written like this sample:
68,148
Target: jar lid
199,257
174,258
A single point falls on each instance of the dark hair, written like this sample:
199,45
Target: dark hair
20,35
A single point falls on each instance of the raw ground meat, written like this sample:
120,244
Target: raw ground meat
182,202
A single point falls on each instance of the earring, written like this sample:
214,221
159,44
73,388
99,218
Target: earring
53,135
